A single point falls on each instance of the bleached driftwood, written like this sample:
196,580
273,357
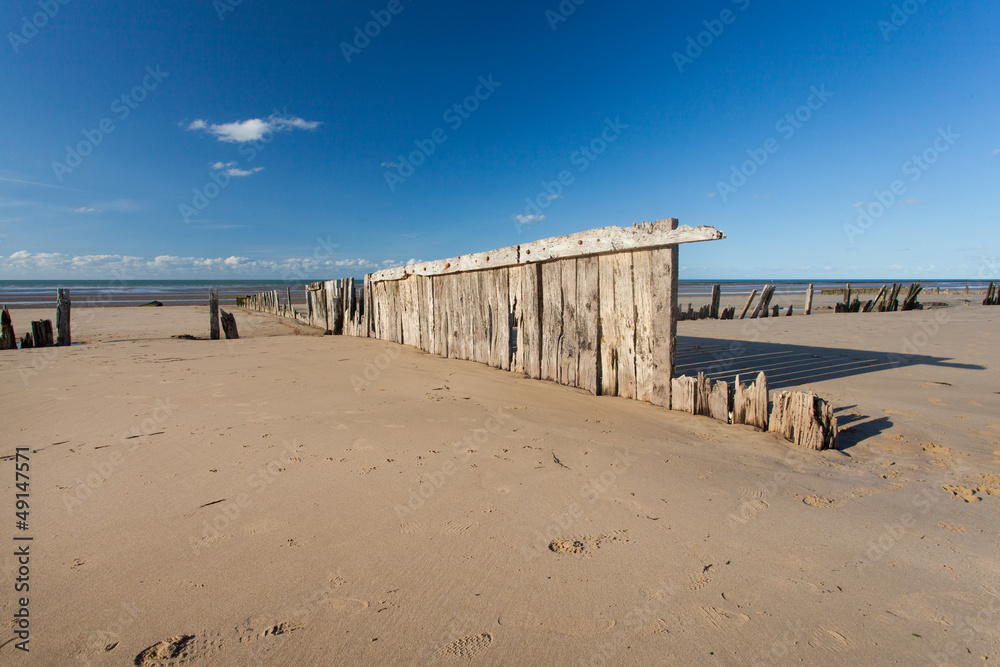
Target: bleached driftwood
593,242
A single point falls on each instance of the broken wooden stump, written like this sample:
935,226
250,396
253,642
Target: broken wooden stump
788,313
229,325
750,403
775,310
765,302
8,341
26,342
62,317
809,300
213,314
910,302
684,394
805,420
41,333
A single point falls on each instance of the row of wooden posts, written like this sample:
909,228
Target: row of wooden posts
41,334
802,418
885,301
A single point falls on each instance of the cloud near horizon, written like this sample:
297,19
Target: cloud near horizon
26,265
254,129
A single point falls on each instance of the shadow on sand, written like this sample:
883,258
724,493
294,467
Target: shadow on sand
788,366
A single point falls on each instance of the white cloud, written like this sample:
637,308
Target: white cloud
910,202
40,266
253,129
525,219
84,209
116,206
997,151
240,173
216,166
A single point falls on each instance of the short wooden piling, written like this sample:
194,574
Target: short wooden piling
8,341
62,317
716,297
229,325
213,314
809,300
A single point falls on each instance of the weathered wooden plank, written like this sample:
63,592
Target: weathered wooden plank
588,310
501,319
716,298
625,317
62,317
552,319
608,326
517,317
531,333
809,300
644,291
569,350
592,242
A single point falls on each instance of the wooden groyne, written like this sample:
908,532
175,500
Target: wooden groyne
594,310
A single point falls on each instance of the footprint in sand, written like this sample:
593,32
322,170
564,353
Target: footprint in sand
720,619
962,492
829,640
820,501
411,528
183,649
583,545
468,646
457,527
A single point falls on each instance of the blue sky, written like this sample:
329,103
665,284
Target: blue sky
230,139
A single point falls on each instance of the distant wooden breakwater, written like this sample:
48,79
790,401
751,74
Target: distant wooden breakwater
595,310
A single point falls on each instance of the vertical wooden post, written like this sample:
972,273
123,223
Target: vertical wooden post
213,314
809,300
716,297
8,341
62,317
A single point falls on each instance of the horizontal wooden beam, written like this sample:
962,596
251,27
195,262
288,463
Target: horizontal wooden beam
601,241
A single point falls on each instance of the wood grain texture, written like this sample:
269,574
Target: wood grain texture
609,327
552,319
625,323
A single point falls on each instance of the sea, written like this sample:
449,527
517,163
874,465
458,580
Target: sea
42,293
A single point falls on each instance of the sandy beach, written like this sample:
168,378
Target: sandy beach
294,498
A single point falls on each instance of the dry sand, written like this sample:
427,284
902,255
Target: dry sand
301,499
